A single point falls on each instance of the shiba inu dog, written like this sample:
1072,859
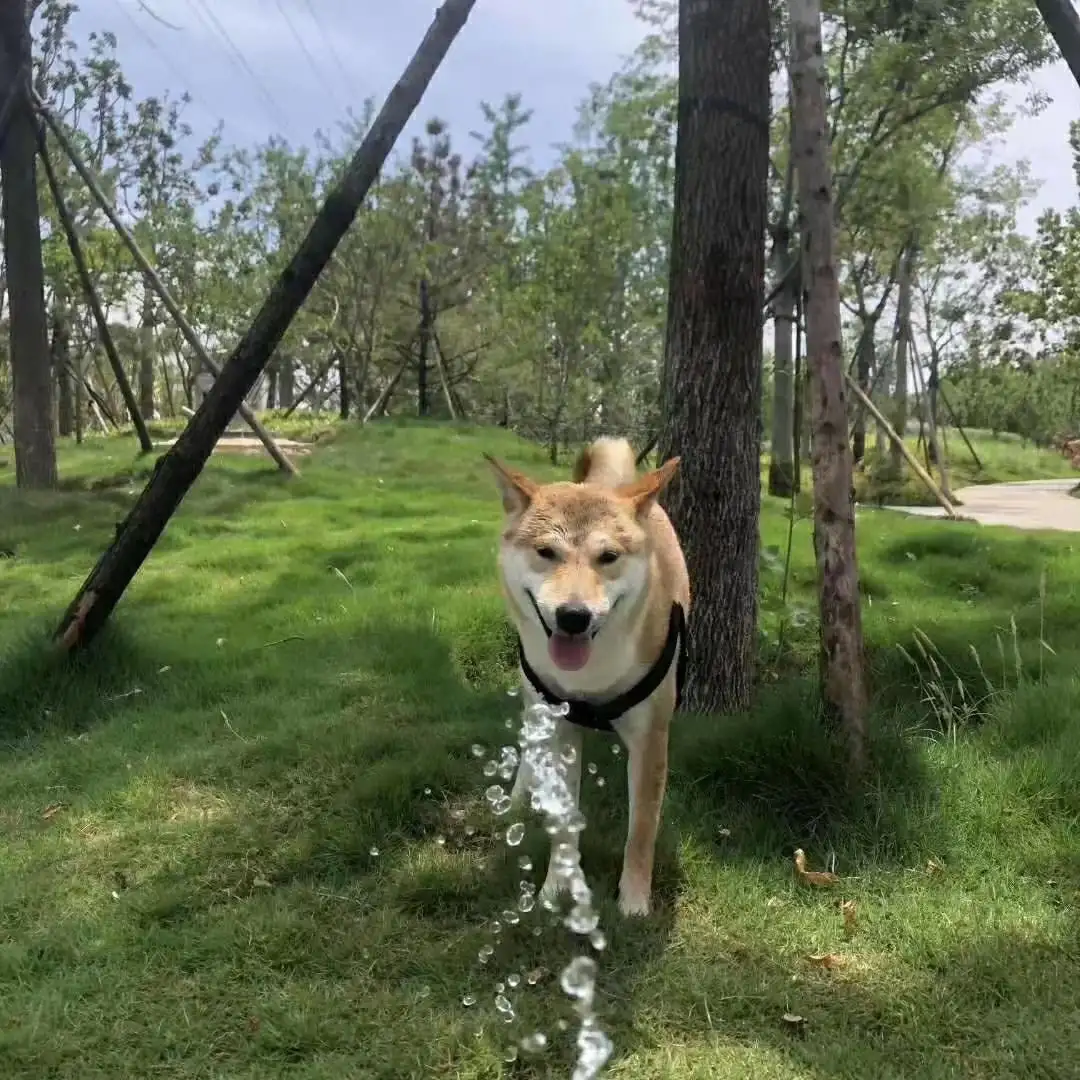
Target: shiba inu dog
595,581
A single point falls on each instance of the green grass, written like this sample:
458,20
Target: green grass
294,680
1002,458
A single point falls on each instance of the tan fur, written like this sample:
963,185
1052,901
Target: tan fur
607,508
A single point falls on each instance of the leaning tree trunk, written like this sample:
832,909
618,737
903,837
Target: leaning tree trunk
712,363
782,478
31,371
842,661
864,366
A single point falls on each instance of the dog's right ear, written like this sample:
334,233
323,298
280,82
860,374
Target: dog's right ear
516,488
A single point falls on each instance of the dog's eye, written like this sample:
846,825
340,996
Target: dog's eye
546,552
606,558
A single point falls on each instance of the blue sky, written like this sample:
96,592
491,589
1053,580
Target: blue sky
550,51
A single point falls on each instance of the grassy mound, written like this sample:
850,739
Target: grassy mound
244,837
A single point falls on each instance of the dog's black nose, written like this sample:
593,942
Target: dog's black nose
573,618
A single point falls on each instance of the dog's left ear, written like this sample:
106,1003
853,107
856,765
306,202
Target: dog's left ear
516,488
644,491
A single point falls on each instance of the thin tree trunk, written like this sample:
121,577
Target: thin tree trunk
423,405
713,352
146,356
842,660
31,371
61,361
864,364
179,467
782,443
344,402
900,364
286,380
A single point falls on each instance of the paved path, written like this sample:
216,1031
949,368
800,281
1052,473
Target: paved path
1030,504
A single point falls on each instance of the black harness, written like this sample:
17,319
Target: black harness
600,716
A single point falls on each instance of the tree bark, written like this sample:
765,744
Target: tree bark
713,352
31,371
423,403
179,467
344,397
782,479
842,660
146,356
286,380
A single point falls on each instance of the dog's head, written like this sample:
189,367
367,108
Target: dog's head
575,559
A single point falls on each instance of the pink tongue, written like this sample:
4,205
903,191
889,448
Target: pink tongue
570,654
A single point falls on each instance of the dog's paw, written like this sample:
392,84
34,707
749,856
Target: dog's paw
634,901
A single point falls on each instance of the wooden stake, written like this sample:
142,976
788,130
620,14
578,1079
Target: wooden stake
179,467
107,343
889,430
155,282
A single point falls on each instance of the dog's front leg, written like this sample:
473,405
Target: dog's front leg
645,734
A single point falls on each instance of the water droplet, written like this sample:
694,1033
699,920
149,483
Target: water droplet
535,1043
514,691
470,830
490,768
457,815
373,851
616,749
496,926
525,863
537,931
592,768
578,978
512,918
526,903
502,1004
485,954
500,988
511,1055
441,841
515,834
427,791
423,992
513,980
477,750
598,941
600,781
568,754
468,1000
582,919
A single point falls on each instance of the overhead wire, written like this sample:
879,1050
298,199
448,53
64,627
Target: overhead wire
330,46
320,74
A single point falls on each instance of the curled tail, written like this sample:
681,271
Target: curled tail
608,462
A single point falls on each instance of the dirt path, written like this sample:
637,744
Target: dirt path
248,444
1031,504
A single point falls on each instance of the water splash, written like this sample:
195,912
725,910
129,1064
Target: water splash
545,765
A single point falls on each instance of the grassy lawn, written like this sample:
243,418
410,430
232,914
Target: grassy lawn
1002,458
245,837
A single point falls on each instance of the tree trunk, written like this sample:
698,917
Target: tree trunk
61,360
286,381
905,285
344,401
31,371
864,365
423,404
146,356
932,387
842,661
179,467
271,387
712,362
782,444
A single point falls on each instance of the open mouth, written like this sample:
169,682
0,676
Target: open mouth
569,652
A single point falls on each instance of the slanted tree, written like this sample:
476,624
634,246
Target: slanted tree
713,356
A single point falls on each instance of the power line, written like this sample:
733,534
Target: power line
331,48
144,34
206,15
319,73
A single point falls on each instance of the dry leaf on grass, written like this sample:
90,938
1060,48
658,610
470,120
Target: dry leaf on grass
847,909
935,866
795,1024
52,811
814,878
828,961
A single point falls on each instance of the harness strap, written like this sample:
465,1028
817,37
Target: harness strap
600,716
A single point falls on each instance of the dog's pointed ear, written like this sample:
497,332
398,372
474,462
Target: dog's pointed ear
644,491
516,489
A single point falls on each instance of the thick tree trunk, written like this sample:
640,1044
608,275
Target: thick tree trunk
864,366
842,660
31,370
905,285
179,467
782,479
712,363
61,360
